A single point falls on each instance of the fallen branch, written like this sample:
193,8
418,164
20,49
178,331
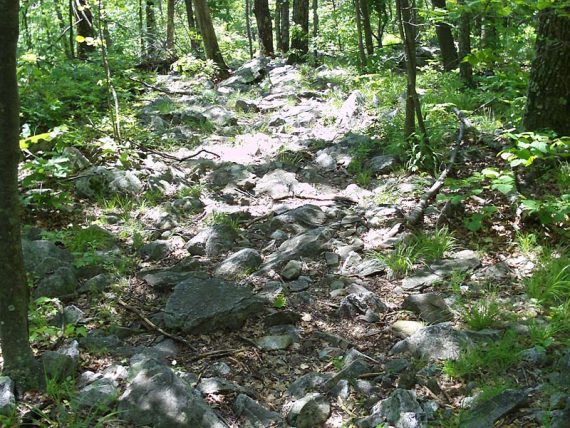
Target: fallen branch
217,354
174,158
159,89
153,326
417,213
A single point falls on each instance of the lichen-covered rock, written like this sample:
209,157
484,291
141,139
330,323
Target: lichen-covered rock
244,262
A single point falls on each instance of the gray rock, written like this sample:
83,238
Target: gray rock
101,394
253,415
220,116
155,250
62,363
156,396
71,315
382,164
77,160
435,342
300,219
352,370
484,414
292,270
43,257
308,382
332,259
216,385
7,396
96,341
275,343
401,409
369,267
350,109
207,305
560,418
98,283
462,261
325,161
281,318
310,411
405,328
244,262
62,283
99,180
301,284
246,106
430,306
250,72
277,184
165,280
360,302
188,205
212,241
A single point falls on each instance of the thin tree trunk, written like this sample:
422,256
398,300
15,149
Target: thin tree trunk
465,69
151,35
61,21
300,37
170,27
335,15
209,37
285,25
191,25
84,18
548,104
380,6
315,25
278,36
445,38
248,27
361,52
264,27
367,27
14,336
141,28
71,35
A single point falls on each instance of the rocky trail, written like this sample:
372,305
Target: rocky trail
257,299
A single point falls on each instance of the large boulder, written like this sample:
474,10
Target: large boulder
244,262
212,241
42,257
253,415
299,219
156,396
400,409
250,72
99,180
205,305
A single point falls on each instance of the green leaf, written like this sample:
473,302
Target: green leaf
474,222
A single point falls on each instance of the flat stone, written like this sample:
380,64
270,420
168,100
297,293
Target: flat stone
332,259
400,409
217,385
430,307
310,411
405,328
485,413
292,270
308,382
382,164
300,219
212,241
62,284
101,393
254,415
359,302
207,305
282,318
275,343
244,262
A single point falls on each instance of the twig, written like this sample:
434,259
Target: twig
159,89
418,212
153,326
218,353
174,158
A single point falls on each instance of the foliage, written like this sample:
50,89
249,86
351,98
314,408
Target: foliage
550,282
483,313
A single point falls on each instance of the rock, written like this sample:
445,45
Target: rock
7,397
212,241
101,393
96,341
216,385
98,283
62,363
207,305
350,110
246,106
253,415
277,184
462,261
44,257
311,411
62,283
156,250
400,409
307,382
350,371
435,342
292,270
360,302
368,268
156,396
250,72
300,284
99,180
382,164
325,161
484,414
430,306
405,328
496,273
300,219
71,315
165,280
559,418
188,205
220,116
281,318
332,259
77,160
244,262
275,343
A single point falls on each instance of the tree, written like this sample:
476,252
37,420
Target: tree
264,26
191,25
465,68
445,39
358,17
151,34
18,358
381,11
170,26
209,37
282,25
300,37
84,22
366,26
548,101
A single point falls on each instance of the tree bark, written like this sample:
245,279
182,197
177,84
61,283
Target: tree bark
315,25
548,101
300,37
380,7
170,26
465,68
248,27
191,25
84,20
209,37
285,24
445,39
151,34
367,27
264,27
14,336
361,51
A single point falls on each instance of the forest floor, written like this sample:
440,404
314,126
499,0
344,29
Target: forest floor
253,269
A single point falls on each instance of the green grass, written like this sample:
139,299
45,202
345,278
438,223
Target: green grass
220,218
194,191
483,313
550,282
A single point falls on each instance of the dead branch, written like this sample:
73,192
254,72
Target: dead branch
159,89
417,213
185,158
218,354
153,326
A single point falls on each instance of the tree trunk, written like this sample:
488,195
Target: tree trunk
445,38
285,24
141,29
191,25
315,25
248,27
548,101
264,27
18,358
278,26
209,37
151,34
367,27
407,26
170,27
335,15
300,37
71,21
61,21
84,22
465,69
361,52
